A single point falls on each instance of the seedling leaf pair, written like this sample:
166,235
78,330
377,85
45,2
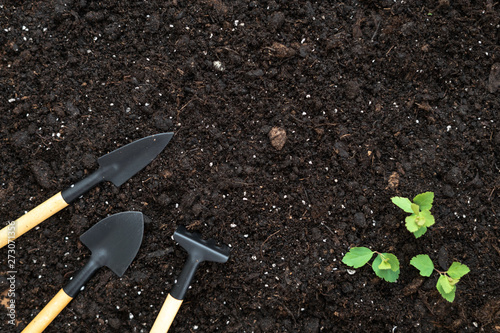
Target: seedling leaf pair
420,217
446,284
385,265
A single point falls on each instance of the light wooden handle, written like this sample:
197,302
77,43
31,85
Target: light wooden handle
48,313
32,218
166,315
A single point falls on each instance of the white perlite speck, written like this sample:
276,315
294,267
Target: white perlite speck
218,66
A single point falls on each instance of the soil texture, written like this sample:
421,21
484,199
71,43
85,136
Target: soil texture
295,123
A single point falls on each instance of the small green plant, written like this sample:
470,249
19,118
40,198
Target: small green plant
446,284
385,265
421,217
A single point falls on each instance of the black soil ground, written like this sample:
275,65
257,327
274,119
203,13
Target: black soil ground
368,100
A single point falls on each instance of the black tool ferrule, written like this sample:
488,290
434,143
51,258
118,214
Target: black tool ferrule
75,191
180,288
80,279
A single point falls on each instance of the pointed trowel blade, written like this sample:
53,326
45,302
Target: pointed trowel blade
122,163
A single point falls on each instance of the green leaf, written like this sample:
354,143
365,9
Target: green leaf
420,232
457,270
357,256
447,296
392,260
424,200
403,203
411,225
429,218
445,284
415,208
387,274
423,263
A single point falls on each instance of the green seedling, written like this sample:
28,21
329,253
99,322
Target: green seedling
385,265
446,284
421,217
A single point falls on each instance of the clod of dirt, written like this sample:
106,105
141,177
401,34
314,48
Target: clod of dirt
89,160
20,139
448,191
347,287
276,20
219,6
164,199
408,29
352,89
161,122
476,182
79,223
443,258
413,286
153,23
281,51
277,135
71,109
42,173
454,176
312,325
266,324
494,79
255,73
114,323
443,4
341,149
360,220
95,16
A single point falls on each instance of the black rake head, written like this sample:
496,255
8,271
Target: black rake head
203,250
199,250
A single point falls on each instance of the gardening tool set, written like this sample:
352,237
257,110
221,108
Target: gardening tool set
115,240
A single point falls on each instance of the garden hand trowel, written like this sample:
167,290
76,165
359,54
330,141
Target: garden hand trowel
114,242
199,250
117,167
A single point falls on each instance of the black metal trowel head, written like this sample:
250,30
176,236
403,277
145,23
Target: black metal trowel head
120,165
115,240
132,158
114,243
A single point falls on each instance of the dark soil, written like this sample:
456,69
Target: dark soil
371,99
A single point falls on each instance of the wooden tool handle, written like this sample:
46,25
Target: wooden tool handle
32,218
48,313
166,315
